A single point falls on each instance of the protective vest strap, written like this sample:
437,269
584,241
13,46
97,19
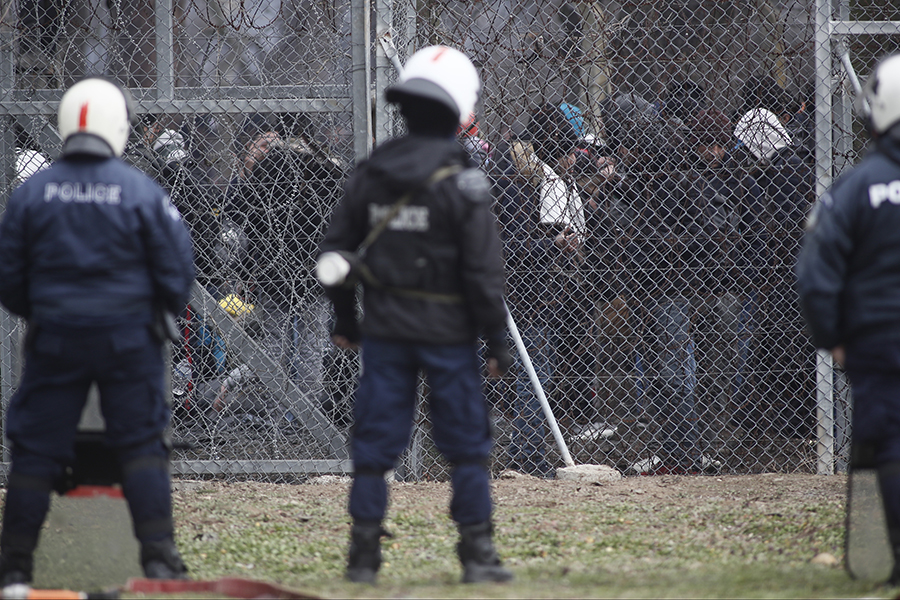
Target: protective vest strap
376,231
366,274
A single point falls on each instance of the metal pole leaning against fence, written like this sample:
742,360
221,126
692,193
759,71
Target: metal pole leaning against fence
538,389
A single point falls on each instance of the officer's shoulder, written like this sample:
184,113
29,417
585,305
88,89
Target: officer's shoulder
852,182
34,182
142,180
474,185
132,169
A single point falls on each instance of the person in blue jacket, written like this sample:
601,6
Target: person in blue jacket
92,251
420,213
848,278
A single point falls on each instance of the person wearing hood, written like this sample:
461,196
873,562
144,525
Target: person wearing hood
775,164
734,211
537,205
416,228
565,327
163,155
766,149
848,279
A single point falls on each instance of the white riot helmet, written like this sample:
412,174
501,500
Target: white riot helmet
95,118
879,102
442,74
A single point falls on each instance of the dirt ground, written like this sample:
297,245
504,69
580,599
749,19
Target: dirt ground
512,490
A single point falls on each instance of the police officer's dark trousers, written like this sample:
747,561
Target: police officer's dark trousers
384,410
61,361
874,370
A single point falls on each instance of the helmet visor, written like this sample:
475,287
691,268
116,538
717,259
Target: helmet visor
420,88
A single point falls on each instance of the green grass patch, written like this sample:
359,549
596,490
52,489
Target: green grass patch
731,539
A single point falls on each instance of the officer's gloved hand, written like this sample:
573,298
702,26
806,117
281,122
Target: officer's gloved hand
498,352
346,332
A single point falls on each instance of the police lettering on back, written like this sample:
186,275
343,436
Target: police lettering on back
409,218
416,321
68,191
881,192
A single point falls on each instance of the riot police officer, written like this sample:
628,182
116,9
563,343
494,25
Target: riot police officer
848,277
418,214
91,250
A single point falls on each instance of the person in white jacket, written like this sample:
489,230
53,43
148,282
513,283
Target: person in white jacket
547,160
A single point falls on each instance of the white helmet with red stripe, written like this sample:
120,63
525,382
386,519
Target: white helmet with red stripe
879,101
442,74
95,118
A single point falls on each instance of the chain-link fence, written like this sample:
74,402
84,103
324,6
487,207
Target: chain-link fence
653,163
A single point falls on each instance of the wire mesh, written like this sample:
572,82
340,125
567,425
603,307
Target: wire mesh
652,163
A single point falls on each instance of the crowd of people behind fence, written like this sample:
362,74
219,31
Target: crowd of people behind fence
659,244
654,238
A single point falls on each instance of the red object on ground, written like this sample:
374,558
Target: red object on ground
91,491
231,587
56,595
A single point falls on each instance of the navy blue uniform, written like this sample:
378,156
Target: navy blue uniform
444,242
848,276
849,269
89,250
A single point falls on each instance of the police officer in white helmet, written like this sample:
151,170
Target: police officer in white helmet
848,277
415,227
91,252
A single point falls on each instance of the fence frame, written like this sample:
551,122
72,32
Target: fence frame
373,63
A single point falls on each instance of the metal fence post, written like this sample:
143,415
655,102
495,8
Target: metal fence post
387,67
360,17
165,62
824,369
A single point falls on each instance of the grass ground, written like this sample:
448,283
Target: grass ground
756,536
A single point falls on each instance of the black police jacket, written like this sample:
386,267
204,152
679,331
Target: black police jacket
444,243
848,271
92,238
